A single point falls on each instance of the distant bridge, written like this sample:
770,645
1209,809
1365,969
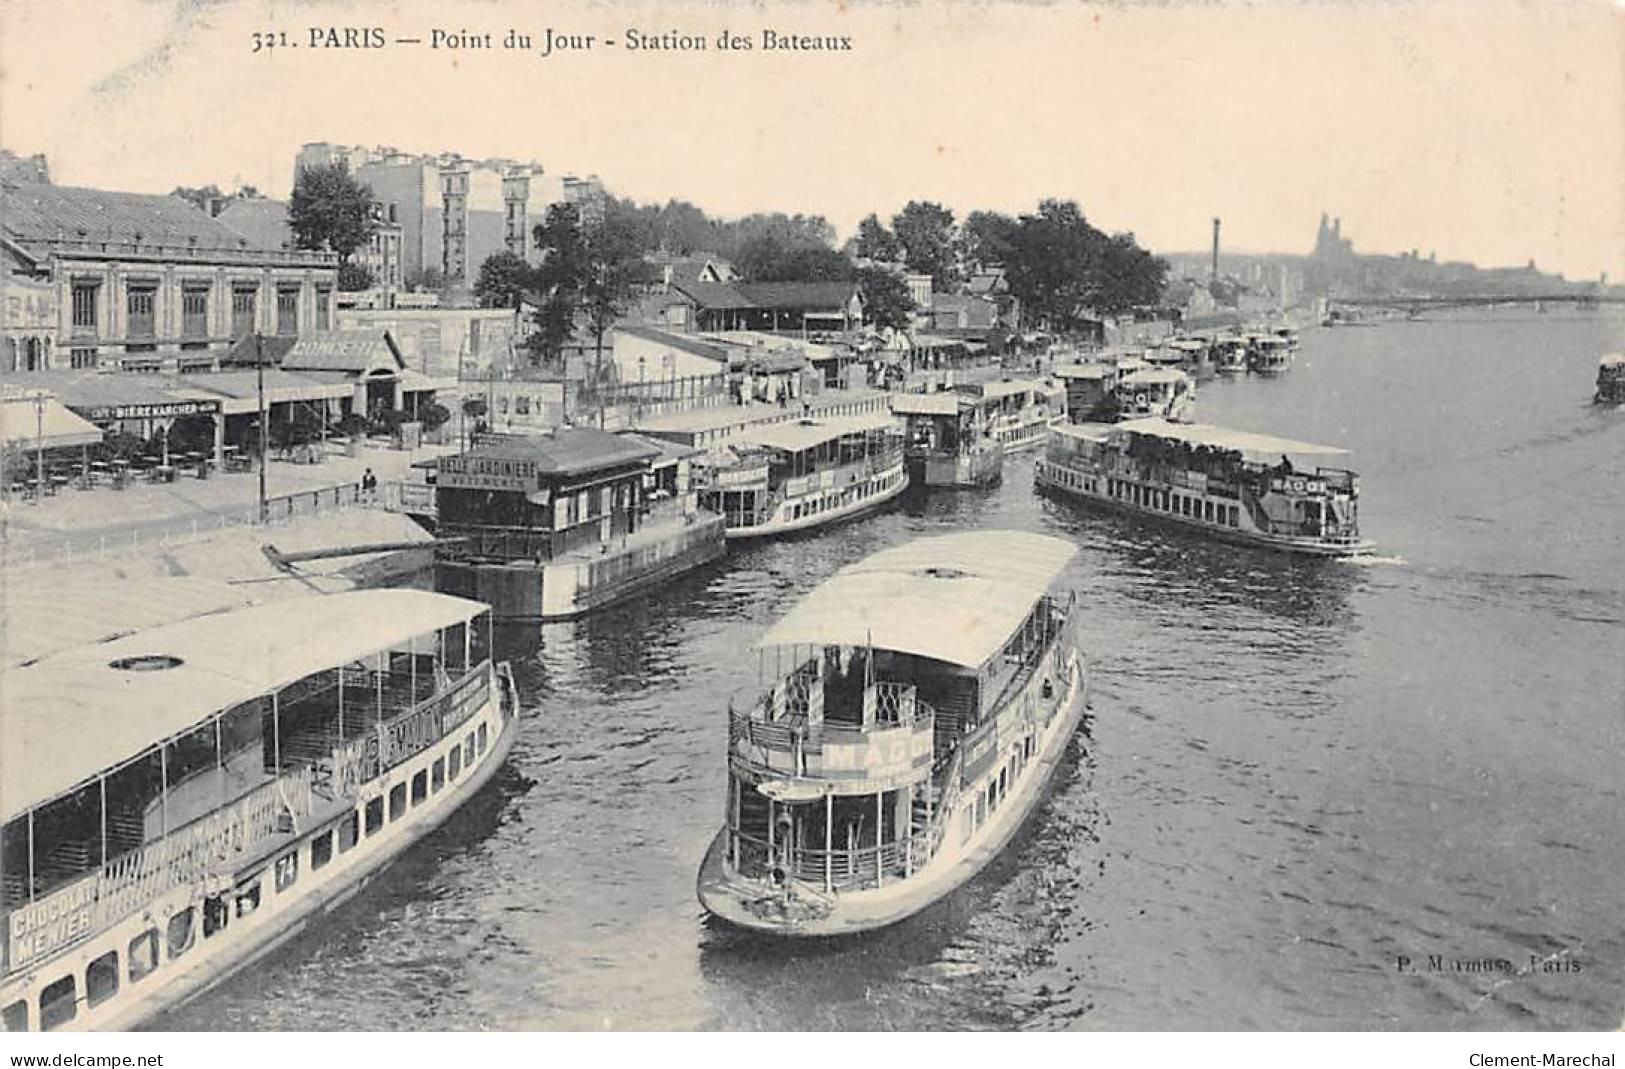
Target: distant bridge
1417,304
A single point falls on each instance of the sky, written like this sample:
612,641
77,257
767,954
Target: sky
1488,131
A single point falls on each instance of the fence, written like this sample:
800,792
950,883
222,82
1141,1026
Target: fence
393,497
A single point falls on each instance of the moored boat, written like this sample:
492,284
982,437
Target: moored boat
1232,485
797,475
1611,379
1162,391
1268,354
920,701
1230,355
179,801
1017,412
946,440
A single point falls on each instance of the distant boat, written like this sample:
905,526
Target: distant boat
920,701
1611,379
1224,483
947,441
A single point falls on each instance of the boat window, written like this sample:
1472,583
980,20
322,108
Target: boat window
58,1003
1235,516
321,850
397,801
248,897
143,956
101,979
349,832
468,750
437,774
14,1018
215,915
420,786
375,815
180,933
480,737
456,762
287,870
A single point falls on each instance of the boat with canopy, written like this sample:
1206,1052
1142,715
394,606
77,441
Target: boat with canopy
912,710
176,802
803,473
1234,485
1611,379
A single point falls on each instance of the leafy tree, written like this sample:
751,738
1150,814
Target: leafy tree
433,415
354,276
199,197
875,242
886,299
926,232
1060,266
811,264
988,238
503,277
331,210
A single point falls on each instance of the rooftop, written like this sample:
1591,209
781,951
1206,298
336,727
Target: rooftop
568,451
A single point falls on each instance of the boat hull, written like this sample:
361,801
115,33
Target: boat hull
970,471
751,905
891,482
1045,481
284,914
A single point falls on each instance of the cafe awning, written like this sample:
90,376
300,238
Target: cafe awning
46,423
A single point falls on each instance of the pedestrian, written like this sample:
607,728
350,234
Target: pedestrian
369,484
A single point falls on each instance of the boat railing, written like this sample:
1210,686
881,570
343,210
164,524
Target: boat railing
832,751
1064,623
359,761
201,851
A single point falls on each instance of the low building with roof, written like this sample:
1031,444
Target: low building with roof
549,526
151,283
774,306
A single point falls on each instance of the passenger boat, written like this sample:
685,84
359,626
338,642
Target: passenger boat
1236,486
796,475
1018,412
946,440
1611,380
1164,391
179,801
1195,355
1268,354
1290,336
1230,355
920,700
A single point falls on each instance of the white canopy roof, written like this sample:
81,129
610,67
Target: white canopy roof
1613,360
1254,446
955,598
46,422
1152,377
72,715
946,403
807,433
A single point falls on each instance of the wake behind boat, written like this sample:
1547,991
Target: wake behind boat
920,701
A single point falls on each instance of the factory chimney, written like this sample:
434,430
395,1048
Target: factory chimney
1215,274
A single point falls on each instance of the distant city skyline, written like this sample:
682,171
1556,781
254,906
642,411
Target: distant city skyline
1486,133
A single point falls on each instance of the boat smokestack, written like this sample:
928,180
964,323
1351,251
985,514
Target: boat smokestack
1215,271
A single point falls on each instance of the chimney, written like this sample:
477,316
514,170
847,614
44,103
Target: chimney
1215,274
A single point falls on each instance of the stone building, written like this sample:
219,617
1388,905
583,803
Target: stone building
151,283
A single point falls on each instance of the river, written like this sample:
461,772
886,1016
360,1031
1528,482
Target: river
1294,775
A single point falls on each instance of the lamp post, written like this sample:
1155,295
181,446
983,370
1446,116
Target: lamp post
259,384
39,447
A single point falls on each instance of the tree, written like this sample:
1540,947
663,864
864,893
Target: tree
875,242
331,210
199,197
886,299
1060,265
926,232
503,277
988,238
354,277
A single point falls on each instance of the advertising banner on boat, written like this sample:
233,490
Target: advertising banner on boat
981,751
488,473
40,927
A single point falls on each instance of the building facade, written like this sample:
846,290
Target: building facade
150,283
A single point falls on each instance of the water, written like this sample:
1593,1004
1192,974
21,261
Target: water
1294,773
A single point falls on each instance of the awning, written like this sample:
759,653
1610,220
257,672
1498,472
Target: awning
954,598
46,423
1261,447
